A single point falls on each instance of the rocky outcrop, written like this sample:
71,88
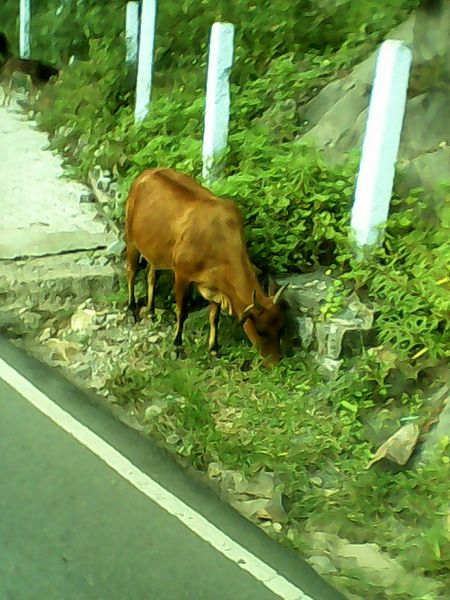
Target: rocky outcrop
383,574
336,117
325,318
35,289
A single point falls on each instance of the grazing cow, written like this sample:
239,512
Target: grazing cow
177,224
38,72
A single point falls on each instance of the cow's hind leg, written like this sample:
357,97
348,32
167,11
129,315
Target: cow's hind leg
7,90
181,286
151,282
214,315
132,266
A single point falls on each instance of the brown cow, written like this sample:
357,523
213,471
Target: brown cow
177,224
39,73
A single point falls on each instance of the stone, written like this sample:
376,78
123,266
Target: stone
87,197
262,485
114,190
173,439
276,120
381,424
252,508
330,367
305,329
399,447
378,568
62,350
152,411
83,319
305,296
306,292
104,182
331,553
322,564
233,482
356,316
215,469
50,285
424,169
45,334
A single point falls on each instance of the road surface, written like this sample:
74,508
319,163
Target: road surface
91,510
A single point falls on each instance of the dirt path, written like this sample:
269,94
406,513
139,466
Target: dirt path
40,213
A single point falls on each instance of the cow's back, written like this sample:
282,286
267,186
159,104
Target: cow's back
175,222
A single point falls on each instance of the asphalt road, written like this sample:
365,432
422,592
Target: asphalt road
73,528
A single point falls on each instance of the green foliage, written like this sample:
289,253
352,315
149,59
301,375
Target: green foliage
295,206
307,430
407,281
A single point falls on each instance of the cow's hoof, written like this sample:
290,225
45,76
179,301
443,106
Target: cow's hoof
177,353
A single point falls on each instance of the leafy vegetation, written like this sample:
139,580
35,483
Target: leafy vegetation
309,431
290,420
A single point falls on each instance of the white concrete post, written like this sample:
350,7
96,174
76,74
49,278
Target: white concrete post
24,33
132,31
381,142
217,108
145,62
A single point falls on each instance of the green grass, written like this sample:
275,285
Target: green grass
306,429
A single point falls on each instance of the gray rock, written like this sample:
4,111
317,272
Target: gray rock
368,562
306,292
305,329
305,296
104,183
153,411
329,367
49,286
322,564
114,190
116,248
87,197
378,568
96,172
330,334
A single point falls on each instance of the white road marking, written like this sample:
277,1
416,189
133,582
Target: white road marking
208,532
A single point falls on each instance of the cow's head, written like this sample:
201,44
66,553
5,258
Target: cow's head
263,322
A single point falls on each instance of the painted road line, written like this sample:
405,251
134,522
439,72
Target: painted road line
208,532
